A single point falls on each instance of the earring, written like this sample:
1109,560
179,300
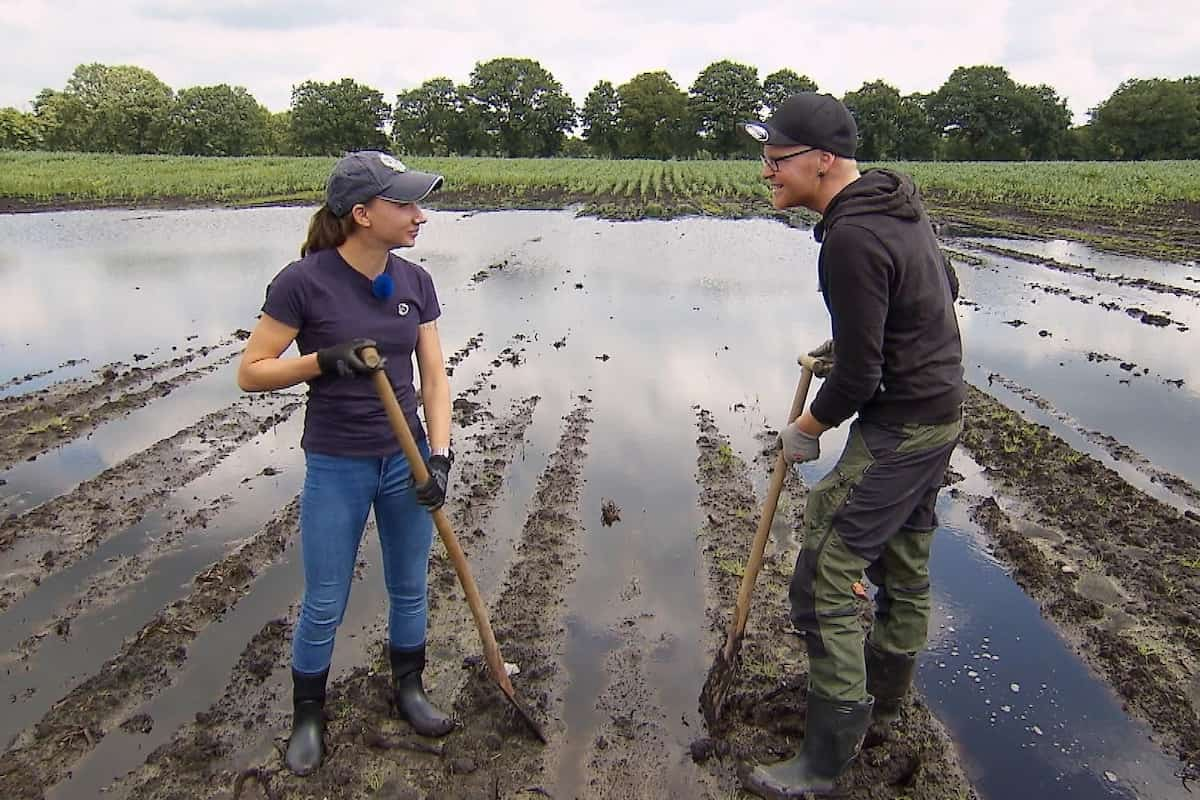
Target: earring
820,173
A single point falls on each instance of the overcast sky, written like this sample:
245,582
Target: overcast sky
1082,48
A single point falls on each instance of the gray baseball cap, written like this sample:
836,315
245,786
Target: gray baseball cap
357,177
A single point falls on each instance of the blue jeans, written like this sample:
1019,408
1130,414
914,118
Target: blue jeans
338,494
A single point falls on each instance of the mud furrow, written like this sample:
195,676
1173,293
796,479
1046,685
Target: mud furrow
1089,272
1113,566
496,754
44,755
195,763
631,743
32,376
56,425
1115,448
366,743
764,717
55,535
460,355
102,589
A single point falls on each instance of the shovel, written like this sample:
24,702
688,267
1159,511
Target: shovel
491,650
724,668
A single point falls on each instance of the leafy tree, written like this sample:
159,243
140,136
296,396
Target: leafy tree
984,114
601,118
1080,144
876,109
575,147
55,115
18,130
115,109
427,118
1150,119
1045,119
655,122
523,109
724,94
916,136
219,120
978,111
333,118
279,134
782,84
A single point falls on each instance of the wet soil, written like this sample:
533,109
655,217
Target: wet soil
764,718
1120,574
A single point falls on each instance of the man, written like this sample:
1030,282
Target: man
897,364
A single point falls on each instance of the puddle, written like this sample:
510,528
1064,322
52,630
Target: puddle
1030,718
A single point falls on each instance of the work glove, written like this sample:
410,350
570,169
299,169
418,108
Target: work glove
798,446
432,493
824,351
345,359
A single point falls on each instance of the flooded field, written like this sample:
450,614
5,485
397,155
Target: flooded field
149,577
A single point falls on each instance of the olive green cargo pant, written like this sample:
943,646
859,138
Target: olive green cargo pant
873,514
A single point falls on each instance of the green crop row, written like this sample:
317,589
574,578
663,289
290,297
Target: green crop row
82,178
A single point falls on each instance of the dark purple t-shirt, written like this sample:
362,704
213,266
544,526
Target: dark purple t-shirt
331,302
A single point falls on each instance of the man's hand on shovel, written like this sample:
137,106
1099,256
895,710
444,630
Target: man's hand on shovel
799,446
801,439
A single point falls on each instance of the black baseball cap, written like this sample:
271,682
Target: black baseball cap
357,177
816,120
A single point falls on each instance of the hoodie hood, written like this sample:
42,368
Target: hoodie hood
877,191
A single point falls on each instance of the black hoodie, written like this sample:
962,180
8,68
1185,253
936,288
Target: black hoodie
890,293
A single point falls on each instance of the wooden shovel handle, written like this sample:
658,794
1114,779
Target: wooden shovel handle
395,415
737,625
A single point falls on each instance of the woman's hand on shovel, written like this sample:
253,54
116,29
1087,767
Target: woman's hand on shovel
345,359
432,493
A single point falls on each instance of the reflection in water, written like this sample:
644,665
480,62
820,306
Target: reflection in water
654,319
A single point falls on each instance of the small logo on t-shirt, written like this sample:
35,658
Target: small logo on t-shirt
402,309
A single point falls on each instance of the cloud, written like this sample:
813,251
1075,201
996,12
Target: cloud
1084,50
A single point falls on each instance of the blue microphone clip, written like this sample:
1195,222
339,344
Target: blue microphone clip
383,286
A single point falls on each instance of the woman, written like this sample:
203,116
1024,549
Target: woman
349,291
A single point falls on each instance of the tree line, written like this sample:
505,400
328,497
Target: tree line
515,107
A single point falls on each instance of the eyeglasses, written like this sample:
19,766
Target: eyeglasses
773,163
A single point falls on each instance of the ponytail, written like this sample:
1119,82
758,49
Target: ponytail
326,231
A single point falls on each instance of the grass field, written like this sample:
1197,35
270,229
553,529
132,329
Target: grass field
1128,206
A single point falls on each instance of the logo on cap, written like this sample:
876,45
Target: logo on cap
391,162
759,132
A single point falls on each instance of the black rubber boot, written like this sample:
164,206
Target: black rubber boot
306,746
889,676
832,736
408,693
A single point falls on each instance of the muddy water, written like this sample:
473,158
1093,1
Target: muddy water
688,313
